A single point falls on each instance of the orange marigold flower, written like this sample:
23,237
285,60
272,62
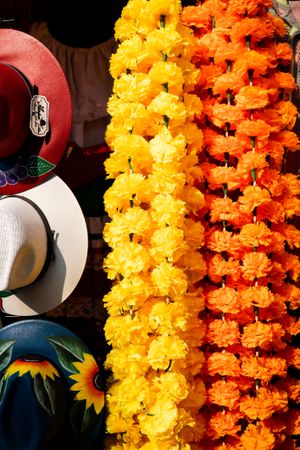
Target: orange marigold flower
291,386
257,28
292,422
223,209
271,116
196,16
251,161
220,241
223,113
212,41
227,82
253,196
248,7
228,175
290,263
263,367
255,234
223,332
284,80
290,232
264,404
224,393
251,97
288,139
250,60
291,293
291,206
282,52
257,437
256,265
254,128
224,364
293,183
229,52
259,296
224,299
219,267
222,145
272,211
222,424
264,335
288,114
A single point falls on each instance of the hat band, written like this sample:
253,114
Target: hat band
50,255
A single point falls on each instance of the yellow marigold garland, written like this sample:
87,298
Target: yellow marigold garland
251,291
154,304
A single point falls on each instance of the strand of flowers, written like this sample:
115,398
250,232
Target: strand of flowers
153,326
252,271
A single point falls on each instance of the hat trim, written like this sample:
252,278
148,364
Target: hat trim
34,167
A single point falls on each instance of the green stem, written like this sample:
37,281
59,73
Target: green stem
162,21
165,87
166,121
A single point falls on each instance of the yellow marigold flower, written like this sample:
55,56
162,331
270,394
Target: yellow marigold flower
163,40
165,148
168,317
34,367
166,178
124,330
116,423
194,198
127,113
167,72
129,401
126,56
129,293
160,419
193,106
169,280
164,349
134,87
193,234
192,364
86,383
171,385
135,220
190,73
126,187
167,243
130,360
197,395
194,265
168,105
167,210
192,134
126,259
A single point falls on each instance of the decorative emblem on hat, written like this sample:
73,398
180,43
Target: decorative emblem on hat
39,115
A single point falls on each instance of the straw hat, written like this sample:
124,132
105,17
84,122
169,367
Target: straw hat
43,247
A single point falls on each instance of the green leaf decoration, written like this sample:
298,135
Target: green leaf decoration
5,353
44,393
3,384
83,420
38,166
67,348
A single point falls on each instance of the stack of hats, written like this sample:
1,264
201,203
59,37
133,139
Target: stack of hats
50,390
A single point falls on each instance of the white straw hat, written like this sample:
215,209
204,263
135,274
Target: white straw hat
43,247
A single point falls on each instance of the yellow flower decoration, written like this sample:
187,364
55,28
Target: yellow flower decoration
34,367
86,383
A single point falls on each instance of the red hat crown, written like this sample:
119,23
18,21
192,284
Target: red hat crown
15,100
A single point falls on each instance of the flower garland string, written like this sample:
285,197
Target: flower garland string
153,327
251,291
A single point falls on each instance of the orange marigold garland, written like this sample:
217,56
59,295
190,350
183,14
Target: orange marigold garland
251,291
154,304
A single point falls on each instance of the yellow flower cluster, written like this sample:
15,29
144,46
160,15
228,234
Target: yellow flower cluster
153,204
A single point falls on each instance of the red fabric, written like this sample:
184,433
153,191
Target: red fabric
82,165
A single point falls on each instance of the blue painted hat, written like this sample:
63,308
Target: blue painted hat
50,389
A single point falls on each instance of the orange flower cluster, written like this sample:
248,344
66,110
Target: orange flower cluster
250,241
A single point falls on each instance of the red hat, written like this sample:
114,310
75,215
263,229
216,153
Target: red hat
35,111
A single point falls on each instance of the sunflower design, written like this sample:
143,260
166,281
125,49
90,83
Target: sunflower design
34,365
87,385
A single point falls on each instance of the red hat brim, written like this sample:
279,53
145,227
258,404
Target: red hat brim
38,158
